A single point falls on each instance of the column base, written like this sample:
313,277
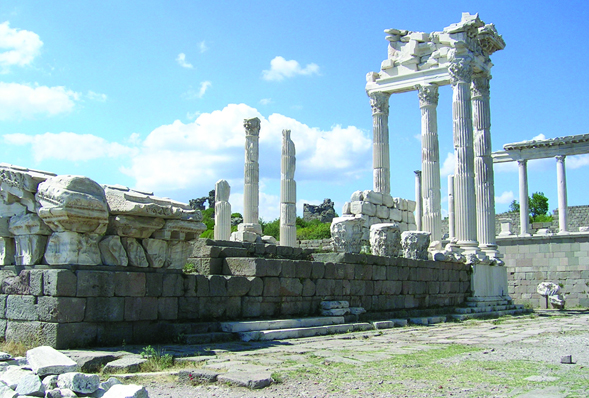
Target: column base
563,233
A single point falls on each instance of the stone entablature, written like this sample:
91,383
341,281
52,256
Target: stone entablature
72,220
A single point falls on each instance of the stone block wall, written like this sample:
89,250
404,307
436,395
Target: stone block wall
73,306
316,244
563,260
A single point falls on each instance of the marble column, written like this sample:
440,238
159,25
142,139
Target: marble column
222,211
418,207
464,192
562,195
288,193
250,229
483,165
451,221
380,144
524,209
430,162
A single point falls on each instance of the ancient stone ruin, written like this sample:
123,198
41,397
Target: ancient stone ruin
325,212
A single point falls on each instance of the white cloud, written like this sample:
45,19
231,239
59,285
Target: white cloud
506,167
17,47
96,96
203,88
266,101
192,115
24,101
448,165
181,59
539,137
202,46
69,146
575,162
505,197
280,68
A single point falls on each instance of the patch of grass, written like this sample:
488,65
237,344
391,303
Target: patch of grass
20,348
157,359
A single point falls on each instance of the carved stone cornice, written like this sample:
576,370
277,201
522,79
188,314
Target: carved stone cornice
460,70
560,158
379,102
480,86
428,95
252,126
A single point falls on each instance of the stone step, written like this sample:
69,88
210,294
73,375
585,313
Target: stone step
472,310
294,333
463,317
488,303
430,320
250,326
390,323
205,338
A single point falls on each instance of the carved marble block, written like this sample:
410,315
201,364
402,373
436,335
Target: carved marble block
385,240
29,249
415,244
346,234
135,252
73,203
73,248
156,252
134,227
7,251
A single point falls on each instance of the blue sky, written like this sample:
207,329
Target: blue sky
152,94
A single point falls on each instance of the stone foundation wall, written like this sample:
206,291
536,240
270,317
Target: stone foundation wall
74,306
563,260
316,244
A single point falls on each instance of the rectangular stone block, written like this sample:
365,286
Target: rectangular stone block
21,308
251,267
212,308
238,286
167,308
362,207
288,269
303,269
105,309
256,286
95,284
130,284
318,270
382,212
202,286
232,307
251,307
210,266
188,308
141,308
172,285
189,285
324,287
271,287
7,251
290,287
61,309
217,286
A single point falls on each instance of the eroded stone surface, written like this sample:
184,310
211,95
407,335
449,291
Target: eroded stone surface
346,233
79,382
415,244
72,248
385,239
112,251
45,360
134,227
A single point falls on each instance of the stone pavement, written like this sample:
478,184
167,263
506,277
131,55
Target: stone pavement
258,360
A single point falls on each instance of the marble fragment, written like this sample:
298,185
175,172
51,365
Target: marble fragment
112,251
7,251
222,211
79,382
415,244
156,251
29,249
28,224
134,227
135,252
178,253
180,230
346,233
45,360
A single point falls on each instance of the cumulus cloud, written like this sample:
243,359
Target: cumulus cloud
505,197
448,165
181,59
280,69
69,146
25,101
17,47
202,46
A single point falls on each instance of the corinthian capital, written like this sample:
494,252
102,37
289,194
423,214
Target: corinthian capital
379,102
252,126
480,86
460,70
428,95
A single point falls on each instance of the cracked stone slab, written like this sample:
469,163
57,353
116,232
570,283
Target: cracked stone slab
247,379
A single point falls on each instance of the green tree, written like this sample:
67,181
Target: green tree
537,207
514,207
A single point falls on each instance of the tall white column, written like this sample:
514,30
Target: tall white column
251,187
562,195
451,220
418,207
288,193
524,208
381,163
222,211
483,165
464,193
430,162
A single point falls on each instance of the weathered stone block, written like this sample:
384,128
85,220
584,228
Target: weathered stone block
72,248
318,270
28,224
59,282
189,285
188,308
202,286
27,282
178,252
112,251
271,287
346,233
290,287
105,309
141,308
154,283
129,284
135,252
303,269
288,269
95,283
21,308
217,285
324,287
256,286
363,272
238,286
46,361
61,309
173,285
208,266
250,307
167,308
7,251
251,267
233,307
212,307
363,207
309,288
